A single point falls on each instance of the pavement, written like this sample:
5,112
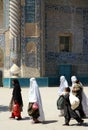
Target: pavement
49,97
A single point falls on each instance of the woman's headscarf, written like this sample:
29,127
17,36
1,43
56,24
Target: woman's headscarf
63,84
34,96
73,80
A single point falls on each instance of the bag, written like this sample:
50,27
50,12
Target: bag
74,101
60,102
35,106
33,110
30,110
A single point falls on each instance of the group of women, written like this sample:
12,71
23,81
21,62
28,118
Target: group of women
77,90
35,109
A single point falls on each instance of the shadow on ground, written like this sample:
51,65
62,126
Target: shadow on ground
26,118
3,108
82,125
45,122
49,121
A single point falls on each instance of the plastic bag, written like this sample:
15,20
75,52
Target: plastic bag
74,101
35,106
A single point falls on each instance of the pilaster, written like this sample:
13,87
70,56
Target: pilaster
15,31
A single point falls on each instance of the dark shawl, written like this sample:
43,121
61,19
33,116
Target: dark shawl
17,92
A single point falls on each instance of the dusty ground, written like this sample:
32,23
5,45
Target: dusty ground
52,120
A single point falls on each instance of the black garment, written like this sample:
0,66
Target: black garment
80,107
16,94
32,112
68,112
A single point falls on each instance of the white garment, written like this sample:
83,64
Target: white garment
85,103
63,85
84,97
73,80
34,96
74,101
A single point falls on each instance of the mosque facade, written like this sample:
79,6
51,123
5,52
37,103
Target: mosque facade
45,39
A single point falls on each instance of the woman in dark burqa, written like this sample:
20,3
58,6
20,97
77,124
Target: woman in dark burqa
68,112
16,97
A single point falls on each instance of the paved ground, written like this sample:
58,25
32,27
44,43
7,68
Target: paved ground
52,122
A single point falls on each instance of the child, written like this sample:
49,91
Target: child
16,111
68,112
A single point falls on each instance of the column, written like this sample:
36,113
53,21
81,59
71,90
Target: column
15,31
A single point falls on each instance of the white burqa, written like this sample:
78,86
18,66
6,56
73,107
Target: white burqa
63,85
84,97
34,96
73,80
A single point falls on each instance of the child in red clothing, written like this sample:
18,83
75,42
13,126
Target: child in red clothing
16,111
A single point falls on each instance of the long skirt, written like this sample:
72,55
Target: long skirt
32,112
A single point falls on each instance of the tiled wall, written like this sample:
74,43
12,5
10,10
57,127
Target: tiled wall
60,16
2,51
66,18
31,39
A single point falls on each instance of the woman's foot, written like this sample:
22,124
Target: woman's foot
19,118
81,122
66,124
35,121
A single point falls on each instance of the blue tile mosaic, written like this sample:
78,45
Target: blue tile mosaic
31,13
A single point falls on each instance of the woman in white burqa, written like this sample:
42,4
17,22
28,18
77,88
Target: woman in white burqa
84,97
35,97
62,86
